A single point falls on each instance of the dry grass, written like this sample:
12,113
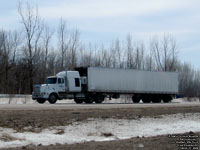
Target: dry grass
7,138
107,134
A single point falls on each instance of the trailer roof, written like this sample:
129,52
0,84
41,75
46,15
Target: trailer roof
83,70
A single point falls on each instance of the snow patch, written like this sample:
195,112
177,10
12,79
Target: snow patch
186,100
103,130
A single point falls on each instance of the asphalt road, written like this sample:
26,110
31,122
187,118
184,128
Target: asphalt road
73,106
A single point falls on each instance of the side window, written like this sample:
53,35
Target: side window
59,80
77,82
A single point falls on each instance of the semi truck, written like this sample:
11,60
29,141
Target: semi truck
94,84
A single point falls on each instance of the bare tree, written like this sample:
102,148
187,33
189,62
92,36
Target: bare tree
116,52
139,56
149,62
32,33
86,56
63,41
9,44
130,54
4,59
97,56
48,33
165,52
135,54
74,47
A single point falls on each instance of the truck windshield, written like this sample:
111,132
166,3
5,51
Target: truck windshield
51,80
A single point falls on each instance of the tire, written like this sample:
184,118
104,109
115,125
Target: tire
89,99
78,101
99,99
136,99
156,100
52,99
146,100
41,101
167,99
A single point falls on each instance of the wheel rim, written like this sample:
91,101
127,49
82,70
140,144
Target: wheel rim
52,99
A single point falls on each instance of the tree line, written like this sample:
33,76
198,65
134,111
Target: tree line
33,52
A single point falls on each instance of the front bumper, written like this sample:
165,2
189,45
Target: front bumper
35,96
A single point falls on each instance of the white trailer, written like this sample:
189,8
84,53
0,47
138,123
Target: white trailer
131,81
93,84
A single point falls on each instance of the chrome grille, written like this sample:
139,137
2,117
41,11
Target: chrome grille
36,90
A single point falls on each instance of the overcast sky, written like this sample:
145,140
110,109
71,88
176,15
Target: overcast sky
101,21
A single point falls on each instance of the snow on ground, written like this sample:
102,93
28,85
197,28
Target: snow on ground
186,100
103,130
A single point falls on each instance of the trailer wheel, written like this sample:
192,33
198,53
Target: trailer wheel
136,99
52,99
166,100
78,101
146,100
156,100
99,99
41,101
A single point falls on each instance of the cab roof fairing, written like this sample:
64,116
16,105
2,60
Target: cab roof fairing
73,74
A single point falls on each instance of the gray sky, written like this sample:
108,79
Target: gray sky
102,21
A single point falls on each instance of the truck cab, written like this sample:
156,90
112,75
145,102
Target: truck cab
64,85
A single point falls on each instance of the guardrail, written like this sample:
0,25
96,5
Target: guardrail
14,96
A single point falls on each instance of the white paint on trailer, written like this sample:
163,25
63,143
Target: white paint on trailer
130,80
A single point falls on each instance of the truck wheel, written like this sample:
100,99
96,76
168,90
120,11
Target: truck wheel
89,99
99,99
52,99
78,101
41,101
136,99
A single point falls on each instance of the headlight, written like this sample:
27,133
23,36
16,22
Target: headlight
44,93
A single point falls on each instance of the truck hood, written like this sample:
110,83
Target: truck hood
47,87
